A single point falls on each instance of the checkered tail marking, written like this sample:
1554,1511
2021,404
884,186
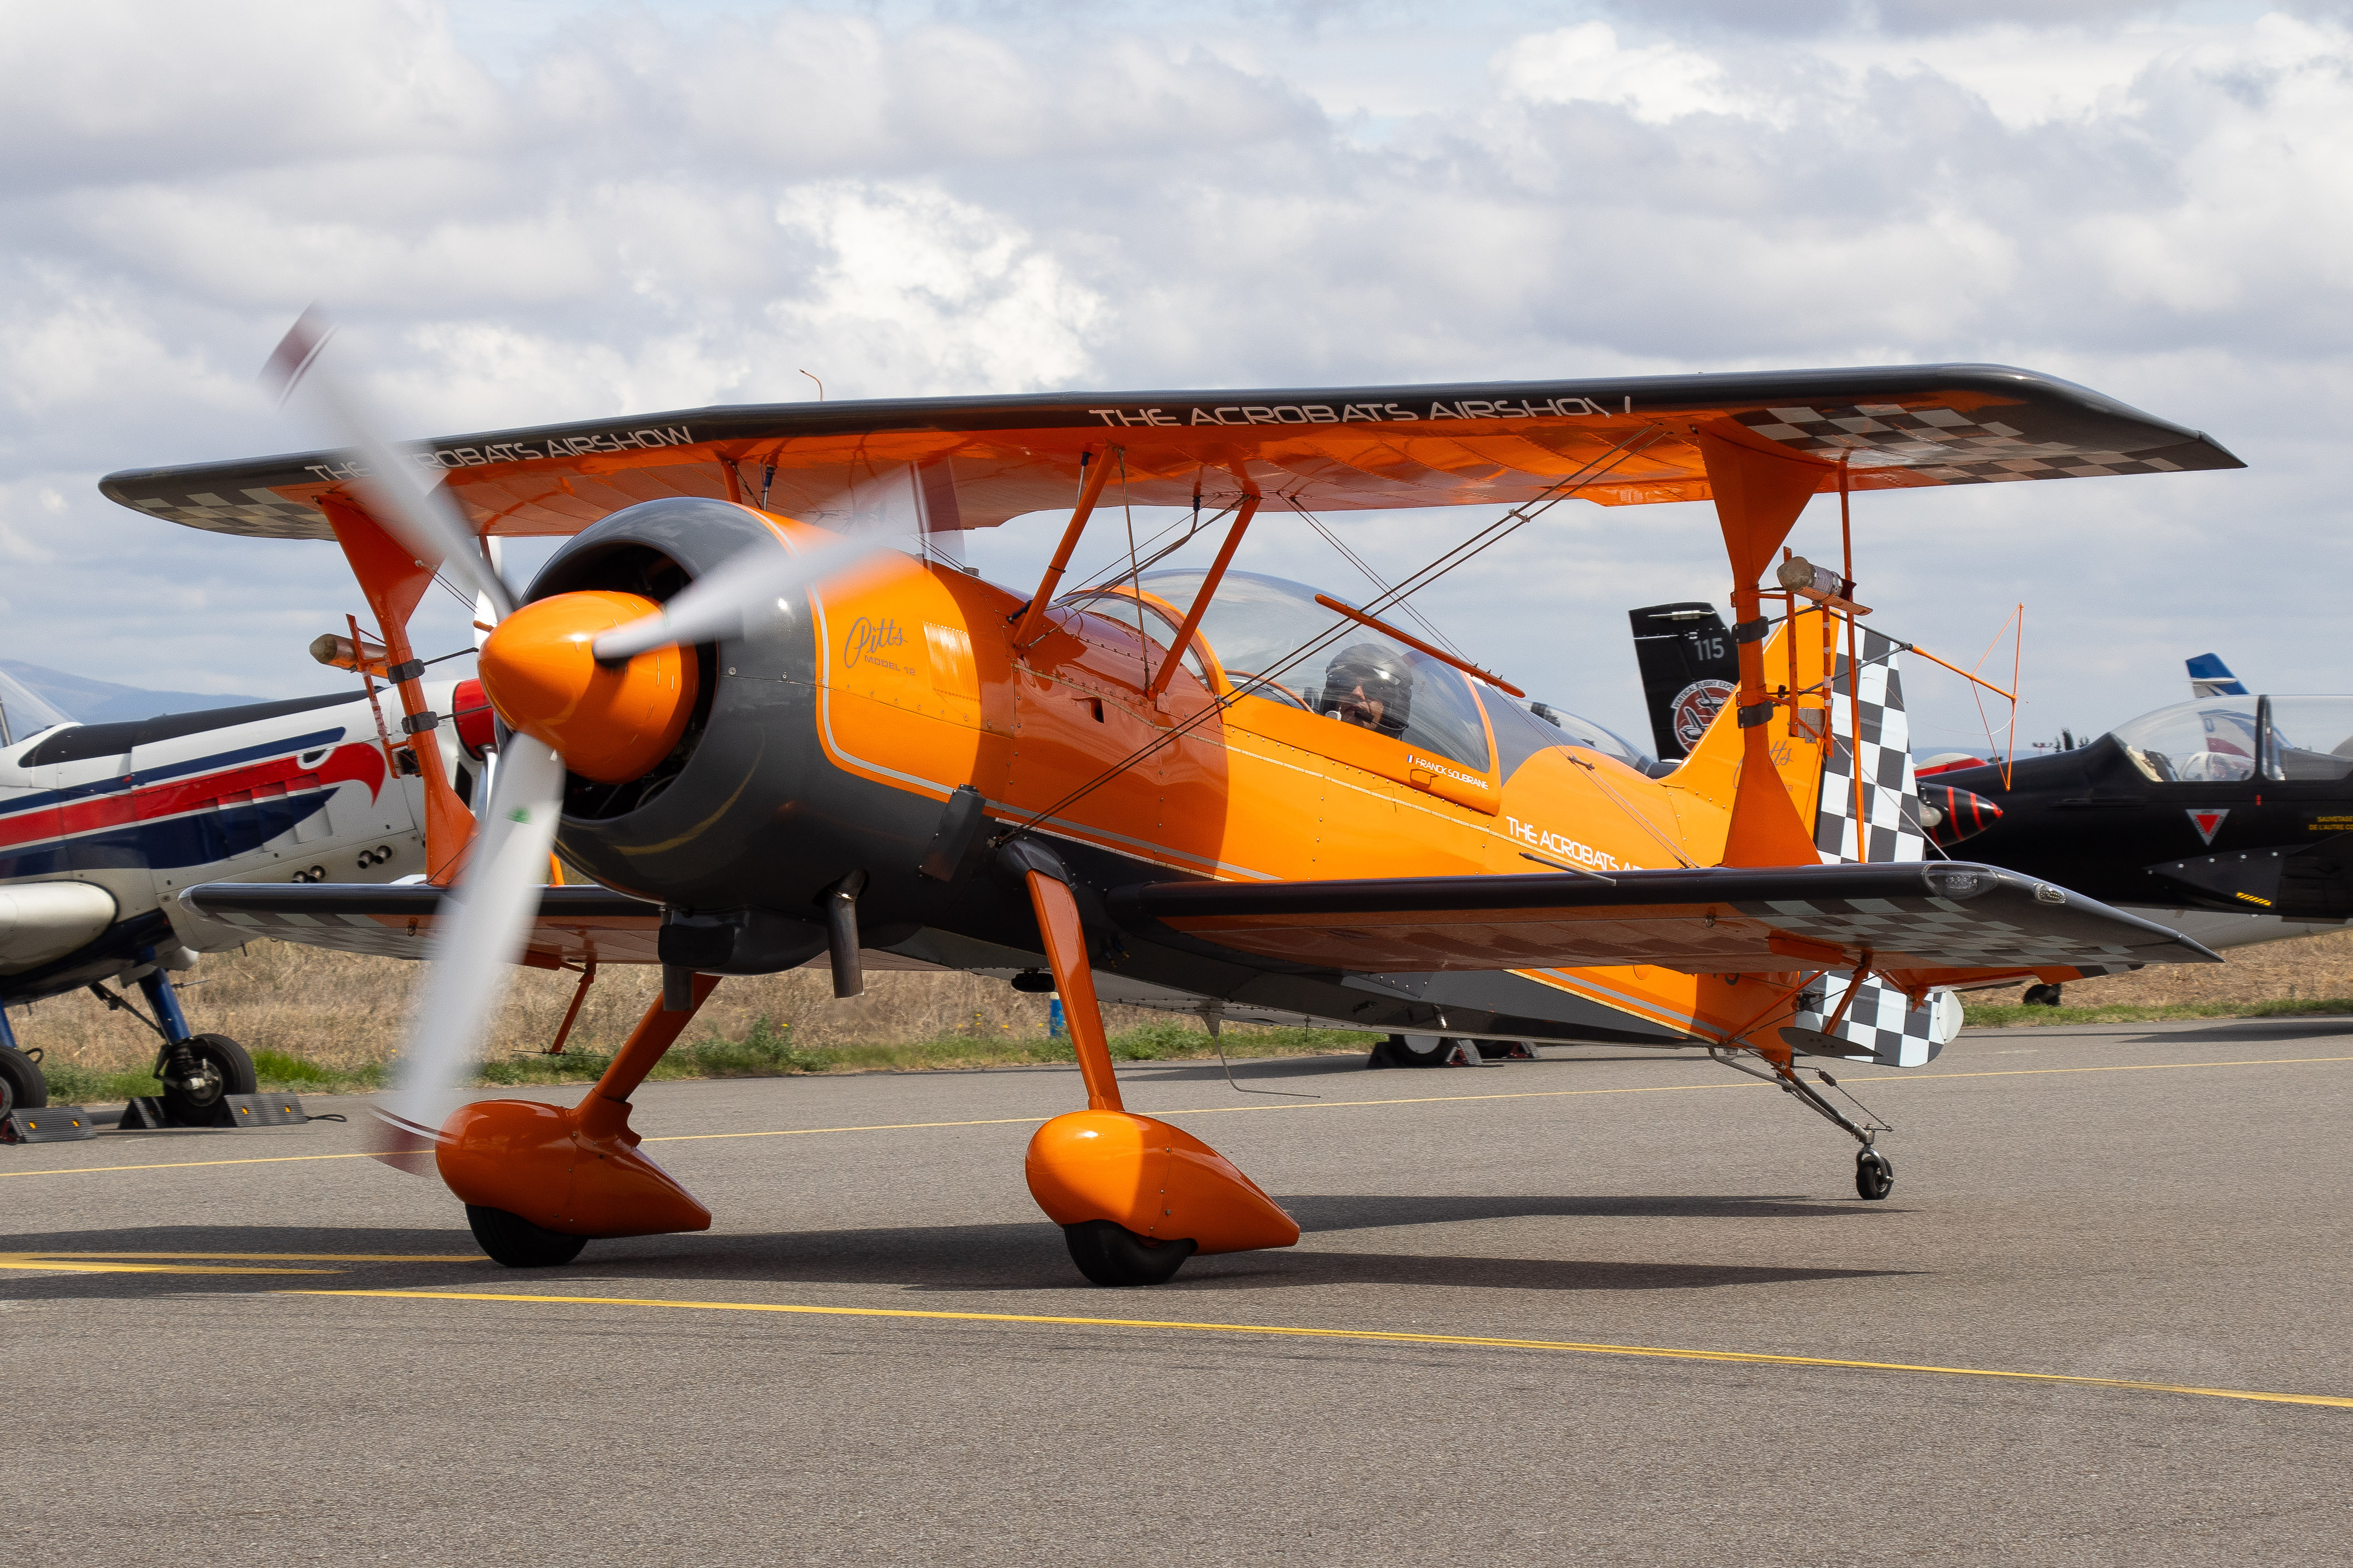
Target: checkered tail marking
1891,795
1882,1027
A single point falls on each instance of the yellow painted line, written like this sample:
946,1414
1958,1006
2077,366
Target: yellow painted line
1740,1358
74,1262
184,1164
1233,1110
11,1260
1520,1094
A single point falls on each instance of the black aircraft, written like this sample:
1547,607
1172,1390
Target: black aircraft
2230,814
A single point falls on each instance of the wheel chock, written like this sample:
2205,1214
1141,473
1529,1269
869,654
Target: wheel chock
146,1112
49,1124
1157,1180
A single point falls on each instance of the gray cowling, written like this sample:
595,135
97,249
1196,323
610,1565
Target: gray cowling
747,822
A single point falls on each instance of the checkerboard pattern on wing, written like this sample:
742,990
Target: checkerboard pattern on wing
1891,795
1882,1026
1971,935
346,934
260,513
1941,443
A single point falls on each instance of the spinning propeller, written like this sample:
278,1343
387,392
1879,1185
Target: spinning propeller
596,683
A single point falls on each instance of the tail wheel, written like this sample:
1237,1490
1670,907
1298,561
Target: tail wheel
516,1242
1874,1178
214,1065
1111,1254
2042,996
22,1087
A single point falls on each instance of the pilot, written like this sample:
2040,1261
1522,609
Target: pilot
1369,687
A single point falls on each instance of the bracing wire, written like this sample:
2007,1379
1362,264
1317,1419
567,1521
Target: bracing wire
1358,562
1494,533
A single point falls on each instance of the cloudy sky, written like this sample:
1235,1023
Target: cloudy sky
533,210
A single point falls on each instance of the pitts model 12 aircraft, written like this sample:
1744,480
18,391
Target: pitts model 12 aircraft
772,741
102,826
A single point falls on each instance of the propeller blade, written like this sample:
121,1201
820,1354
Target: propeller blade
420,515
476,943
756,587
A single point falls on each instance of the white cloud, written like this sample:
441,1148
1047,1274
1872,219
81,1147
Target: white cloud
1586,64
557,209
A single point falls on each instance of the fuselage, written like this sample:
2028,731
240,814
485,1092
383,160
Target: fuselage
833,746
102,825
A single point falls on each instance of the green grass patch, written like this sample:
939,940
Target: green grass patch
72,1085
2012,1016
281,1071
766,1051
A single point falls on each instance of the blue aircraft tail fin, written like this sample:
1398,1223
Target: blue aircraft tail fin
2209,676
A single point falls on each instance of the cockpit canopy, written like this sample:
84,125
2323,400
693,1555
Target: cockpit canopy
1260,627
2220,740
23,715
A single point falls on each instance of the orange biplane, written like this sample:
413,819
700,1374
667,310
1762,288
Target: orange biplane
773,740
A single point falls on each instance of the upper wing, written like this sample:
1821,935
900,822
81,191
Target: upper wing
1914,917
973,462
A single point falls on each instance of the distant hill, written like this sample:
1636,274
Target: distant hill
102,701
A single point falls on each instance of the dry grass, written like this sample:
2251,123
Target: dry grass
344,1015
2304,969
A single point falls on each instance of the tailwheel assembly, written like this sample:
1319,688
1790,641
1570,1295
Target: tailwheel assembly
1874,1178
516,1242
1110,1254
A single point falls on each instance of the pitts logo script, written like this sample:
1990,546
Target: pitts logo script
866,639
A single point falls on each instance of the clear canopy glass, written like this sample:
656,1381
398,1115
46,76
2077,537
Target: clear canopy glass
2221,739
1257,626
1585,733
23,715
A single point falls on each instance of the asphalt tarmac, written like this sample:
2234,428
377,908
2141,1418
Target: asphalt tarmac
256,1344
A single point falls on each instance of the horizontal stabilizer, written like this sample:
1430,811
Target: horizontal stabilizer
1918,916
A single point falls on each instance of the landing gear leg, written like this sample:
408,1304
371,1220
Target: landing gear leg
1135,1197
198,1070
1874,1176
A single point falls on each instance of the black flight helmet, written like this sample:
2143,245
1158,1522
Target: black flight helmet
1382,675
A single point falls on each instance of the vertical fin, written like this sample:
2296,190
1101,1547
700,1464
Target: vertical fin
1891,793
1880,1026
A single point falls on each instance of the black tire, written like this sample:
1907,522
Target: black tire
516,1242
1874,1178
1404,1051
2042,996
224,1068
22,1087
1111,1254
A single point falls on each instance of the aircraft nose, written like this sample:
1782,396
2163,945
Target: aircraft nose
609,724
